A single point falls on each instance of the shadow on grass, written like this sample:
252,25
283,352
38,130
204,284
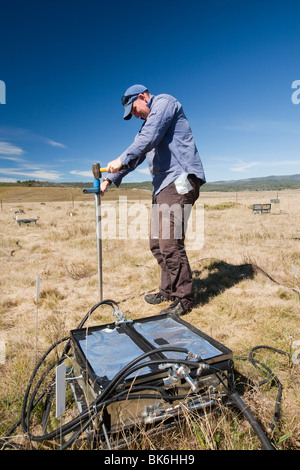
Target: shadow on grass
220,276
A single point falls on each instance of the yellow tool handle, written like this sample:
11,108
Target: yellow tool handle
97,170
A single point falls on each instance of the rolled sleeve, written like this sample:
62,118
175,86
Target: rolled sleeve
131,165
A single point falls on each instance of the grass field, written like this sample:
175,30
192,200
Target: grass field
245,283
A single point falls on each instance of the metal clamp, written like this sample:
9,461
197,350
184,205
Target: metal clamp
177,372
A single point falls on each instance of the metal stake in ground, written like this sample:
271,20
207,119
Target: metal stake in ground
96,190
37,314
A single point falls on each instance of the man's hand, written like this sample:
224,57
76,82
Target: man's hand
114,166
103,187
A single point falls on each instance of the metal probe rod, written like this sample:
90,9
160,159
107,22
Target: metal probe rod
97,176
96,190
97,170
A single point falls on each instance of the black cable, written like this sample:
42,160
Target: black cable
122,396
103,302
270,376
120,375
79,424
99,402
239,402
22,420
23,412
266,445
14,427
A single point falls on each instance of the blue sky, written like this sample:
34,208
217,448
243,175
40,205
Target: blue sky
231,63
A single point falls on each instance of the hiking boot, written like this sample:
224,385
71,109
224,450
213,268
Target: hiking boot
156,298
177,308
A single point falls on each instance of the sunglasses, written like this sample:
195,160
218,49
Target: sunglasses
126,98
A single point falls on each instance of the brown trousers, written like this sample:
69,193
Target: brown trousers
169,217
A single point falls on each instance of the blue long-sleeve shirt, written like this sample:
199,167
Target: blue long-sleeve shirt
166,141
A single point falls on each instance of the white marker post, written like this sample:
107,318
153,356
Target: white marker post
296,276
60,391
37,314
2,352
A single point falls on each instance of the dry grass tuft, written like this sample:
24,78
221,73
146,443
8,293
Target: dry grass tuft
80,271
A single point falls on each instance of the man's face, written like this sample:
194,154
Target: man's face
139,107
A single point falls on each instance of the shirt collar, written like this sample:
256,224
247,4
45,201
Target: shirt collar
149,104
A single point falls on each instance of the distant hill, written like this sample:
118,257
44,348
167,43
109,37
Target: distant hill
267,183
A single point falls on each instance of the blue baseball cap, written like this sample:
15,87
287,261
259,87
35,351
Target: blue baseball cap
130,95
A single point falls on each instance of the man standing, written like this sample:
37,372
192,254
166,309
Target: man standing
166,141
